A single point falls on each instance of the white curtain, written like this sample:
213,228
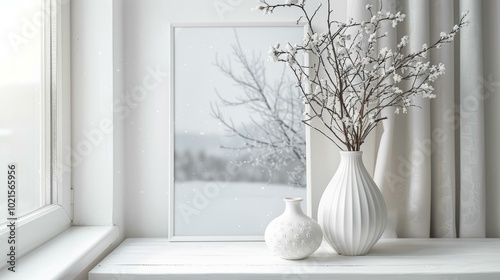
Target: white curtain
439,165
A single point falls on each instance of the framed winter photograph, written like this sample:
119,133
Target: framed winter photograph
237,139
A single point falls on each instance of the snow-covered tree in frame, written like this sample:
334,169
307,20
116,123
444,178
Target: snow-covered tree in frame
277,138
215,185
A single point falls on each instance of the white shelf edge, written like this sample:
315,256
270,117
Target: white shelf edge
158,258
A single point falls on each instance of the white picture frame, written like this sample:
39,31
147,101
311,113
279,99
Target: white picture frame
191,44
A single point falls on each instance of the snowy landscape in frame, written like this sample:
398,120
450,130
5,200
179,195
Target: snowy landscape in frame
238,144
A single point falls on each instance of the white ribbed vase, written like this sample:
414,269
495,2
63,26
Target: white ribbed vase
352,212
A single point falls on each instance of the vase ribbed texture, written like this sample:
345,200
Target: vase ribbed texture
352,211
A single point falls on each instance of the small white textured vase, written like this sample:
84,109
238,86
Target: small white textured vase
293,235
352,211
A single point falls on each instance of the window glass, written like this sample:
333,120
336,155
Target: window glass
22,99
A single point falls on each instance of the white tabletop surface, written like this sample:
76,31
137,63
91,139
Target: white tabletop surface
389,259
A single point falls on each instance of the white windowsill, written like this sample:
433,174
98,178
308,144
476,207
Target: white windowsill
66,255
390,259
35,229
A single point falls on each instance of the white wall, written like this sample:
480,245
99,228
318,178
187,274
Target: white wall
97,141
146,43
92,111
118,121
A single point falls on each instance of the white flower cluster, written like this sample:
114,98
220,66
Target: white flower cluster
351,81
448,37
436,71
264,7
403,42
311,42
268,9
291,51
274,52
398,17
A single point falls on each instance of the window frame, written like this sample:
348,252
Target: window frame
61,192
56,215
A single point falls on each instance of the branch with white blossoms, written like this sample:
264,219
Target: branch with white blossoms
350,83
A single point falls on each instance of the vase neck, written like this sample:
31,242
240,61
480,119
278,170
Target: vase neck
348,156
292,206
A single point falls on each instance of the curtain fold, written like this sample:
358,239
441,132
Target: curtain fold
491,84
442,128
438,165
418,127
385,132
472,174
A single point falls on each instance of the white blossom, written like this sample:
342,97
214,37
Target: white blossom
291,52
403,42
398,17
422,67
397,78
371,118
433,76
428,89
441,68
383,51
274,53
259,7
372,37
304,100
264,7
315,39
429,95
306,37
